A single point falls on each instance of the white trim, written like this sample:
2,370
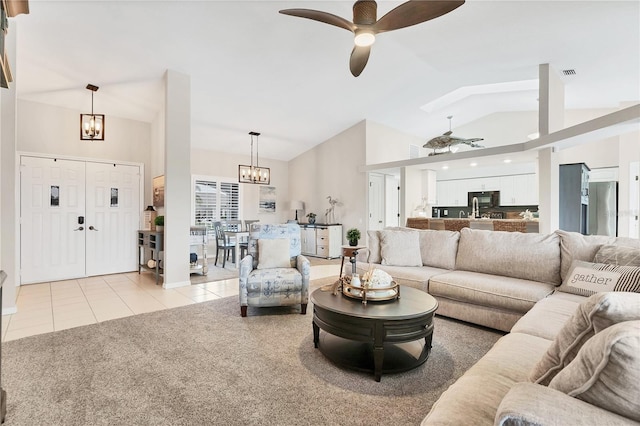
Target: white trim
9,311
176,285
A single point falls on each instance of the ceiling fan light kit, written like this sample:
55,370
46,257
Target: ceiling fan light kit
365,24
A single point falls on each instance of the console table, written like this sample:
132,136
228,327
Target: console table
151,242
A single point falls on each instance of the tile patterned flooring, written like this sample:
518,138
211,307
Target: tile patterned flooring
59,305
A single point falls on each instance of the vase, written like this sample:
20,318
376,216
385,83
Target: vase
312,220
353,243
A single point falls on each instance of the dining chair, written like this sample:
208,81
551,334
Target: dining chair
244,244
223,243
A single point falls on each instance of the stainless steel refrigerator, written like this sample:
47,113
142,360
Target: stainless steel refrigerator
603,208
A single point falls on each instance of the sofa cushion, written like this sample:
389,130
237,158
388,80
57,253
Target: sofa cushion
412,276
534,257
618,255
606,371
374,247
593,315
549,315
494,291
584,247
400,248
587,278
439,248
474,398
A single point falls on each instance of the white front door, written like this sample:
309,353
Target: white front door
52,200
113,216
376,201
55,197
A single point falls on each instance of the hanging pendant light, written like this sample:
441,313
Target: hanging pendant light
92,125
254,174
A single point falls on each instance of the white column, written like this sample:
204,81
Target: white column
550,119
410,192
177,167
9,198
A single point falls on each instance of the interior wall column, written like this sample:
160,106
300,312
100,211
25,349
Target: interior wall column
550,119
9,198
177,168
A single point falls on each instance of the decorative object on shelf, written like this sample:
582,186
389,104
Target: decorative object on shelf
526,215
92,125
421,209
330,212
353,235
267,201
159,221
447,140
311,217
149,222
254,174
365,24
297,205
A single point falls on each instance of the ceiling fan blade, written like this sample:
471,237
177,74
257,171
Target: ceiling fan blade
414,12
359,58
319,16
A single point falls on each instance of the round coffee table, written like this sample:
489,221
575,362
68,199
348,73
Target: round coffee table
380,336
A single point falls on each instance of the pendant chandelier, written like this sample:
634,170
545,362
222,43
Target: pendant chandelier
92,125
254,174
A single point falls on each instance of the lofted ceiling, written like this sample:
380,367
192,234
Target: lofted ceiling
252,68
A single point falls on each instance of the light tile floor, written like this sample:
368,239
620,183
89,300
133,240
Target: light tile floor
59,305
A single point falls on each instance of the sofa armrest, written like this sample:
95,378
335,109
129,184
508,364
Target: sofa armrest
304,267
363,255
533,405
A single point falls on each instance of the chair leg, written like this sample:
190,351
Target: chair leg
243,311
216,262
224,258
303,309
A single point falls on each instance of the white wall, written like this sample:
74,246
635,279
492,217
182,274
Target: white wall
386,144
218,164
331,169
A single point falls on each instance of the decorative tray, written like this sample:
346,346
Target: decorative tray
365,293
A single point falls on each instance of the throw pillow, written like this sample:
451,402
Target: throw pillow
606,372
618,255
273,253
586,278
400,248
593,315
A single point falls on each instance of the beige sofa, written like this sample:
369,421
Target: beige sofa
507,281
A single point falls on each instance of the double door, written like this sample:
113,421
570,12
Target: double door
77,218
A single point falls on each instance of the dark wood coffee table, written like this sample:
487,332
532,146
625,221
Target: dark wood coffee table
382,337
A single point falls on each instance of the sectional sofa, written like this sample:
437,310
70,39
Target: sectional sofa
513,282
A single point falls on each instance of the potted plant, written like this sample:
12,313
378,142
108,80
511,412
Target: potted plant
159,221
353,235
312,217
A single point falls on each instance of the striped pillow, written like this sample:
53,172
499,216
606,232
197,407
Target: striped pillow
586,278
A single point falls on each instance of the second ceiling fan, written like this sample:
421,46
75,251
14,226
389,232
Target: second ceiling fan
365,24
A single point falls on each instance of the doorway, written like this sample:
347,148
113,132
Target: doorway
376,201
77,218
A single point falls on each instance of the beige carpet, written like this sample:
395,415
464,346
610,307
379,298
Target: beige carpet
204,364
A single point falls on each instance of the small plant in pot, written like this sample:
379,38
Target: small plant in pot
159,221
312,217
353,235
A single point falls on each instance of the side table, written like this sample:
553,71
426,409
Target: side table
351,252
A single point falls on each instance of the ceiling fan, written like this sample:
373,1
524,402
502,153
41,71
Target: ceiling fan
365,24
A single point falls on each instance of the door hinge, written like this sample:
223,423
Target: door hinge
369,184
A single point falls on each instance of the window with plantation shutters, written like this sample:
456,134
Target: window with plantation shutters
215,200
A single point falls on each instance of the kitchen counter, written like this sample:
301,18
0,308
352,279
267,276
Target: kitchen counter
487,224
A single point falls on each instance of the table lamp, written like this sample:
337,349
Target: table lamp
297,205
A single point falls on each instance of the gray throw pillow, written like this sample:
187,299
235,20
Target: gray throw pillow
618,255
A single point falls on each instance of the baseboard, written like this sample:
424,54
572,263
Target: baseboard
9,311
177,284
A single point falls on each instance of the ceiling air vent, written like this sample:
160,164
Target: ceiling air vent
414,151
569,72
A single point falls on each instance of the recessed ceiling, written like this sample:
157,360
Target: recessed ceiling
252,68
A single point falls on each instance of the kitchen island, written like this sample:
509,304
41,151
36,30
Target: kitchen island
454,224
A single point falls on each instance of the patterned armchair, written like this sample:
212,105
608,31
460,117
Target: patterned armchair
279,277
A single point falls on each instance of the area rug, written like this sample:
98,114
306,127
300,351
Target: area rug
204,364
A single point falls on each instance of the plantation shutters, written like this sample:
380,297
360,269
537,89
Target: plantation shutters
216,200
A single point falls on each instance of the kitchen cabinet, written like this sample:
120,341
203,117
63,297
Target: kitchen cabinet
321,240
452,193
519,190
481,184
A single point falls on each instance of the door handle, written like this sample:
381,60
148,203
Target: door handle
91,228
79,228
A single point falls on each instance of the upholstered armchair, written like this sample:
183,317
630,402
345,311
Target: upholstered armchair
274,273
